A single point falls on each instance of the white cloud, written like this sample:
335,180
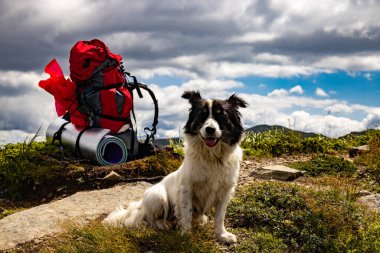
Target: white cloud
252,37
339,107
328,125
296,89
278,93
320,92
233,70
284,110
272,58
20,80
370,62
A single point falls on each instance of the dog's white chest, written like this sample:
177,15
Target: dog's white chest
211,183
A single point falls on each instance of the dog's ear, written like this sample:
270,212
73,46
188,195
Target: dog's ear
192,95
236,101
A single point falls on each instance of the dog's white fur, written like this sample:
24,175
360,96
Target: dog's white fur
206,179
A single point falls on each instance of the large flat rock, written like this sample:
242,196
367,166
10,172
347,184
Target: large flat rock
279,172
80,208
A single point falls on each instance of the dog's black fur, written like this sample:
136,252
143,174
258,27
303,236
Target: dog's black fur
225,112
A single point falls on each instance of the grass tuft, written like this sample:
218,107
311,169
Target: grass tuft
27,164
326,165
100,238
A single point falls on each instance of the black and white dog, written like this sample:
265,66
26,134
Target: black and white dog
207,177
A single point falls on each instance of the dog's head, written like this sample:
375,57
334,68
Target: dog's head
214,120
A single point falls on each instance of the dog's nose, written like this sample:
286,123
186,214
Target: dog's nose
210,130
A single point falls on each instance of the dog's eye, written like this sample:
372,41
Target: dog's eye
218,111
204,110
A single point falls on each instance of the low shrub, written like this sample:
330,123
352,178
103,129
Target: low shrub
326,165
25,164
305,220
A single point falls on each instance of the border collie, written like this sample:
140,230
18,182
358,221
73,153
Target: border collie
207,177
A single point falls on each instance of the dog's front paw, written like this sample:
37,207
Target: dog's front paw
227,238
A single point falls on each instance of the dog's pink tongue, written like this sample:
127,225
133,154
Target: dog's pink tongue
210,142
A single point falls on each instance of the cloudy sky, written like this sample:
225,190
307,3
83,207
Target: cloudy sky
310,65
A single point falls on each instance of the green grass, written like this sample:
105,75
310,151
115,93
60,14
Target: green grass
326,165
305,219
26,164
99,238
177,147
277,142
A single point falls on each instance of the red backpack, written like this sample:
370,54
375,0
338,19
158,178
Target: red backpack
101,92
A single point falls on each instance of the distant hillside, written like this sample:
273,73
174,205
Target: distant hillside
365,132
264,128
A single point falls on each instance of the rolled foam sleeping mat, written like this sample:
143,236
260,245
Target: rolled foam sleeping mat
96,144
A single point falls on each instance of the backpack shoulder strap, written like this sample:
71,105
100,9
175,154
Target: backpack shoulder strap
152,130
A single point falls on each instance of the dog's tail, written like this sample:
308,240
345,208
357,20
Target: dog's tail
132,216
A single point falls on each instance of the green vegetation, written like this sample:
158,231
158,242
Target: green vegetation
369,163
160,164
24,165
326,165
98,238
40,168
177,147
267,217
278,142
305,220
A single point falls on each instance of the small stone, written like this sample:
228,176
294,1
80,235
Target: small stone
113,176
372,201
279,172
